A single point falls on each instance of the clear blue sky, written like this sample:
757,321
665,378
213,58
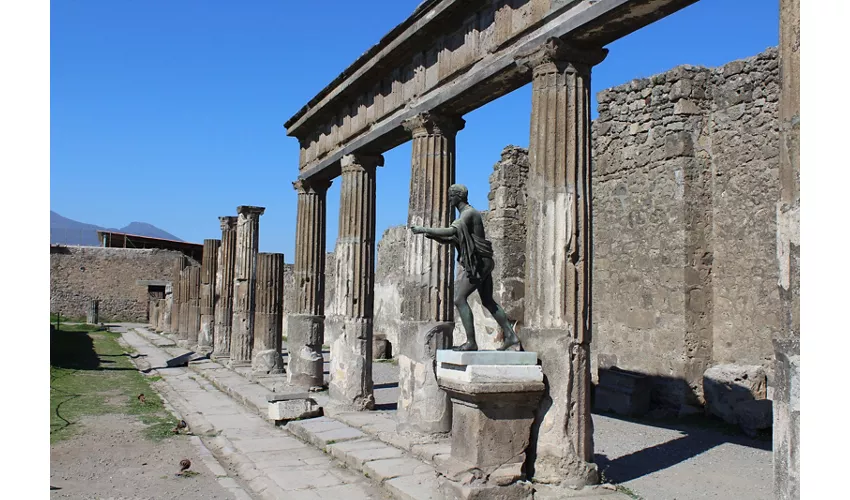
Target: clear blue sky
171,112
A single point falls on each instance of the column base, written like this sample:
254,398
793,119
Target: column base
422,405
351,364
305,334
267,362
458,490
563,415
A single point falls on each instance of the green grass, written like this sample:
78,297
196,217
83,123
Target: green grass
91,374
626,491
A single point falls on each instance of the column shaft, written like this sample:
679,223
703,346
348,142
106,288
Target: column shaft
224,289
558,265
305,328
193,325
786,341
268,316
209,268
183,326
427,308
351,352
244,284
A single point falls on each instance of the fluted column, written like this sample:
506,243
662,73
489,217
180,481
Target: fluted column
268,315
558,265
175,305
305,328
193,324
209,268
224,288
351,352
168,305
427,309
183,325
244,284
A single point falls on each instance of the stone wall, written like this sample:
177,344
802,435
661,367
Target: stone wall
685,186
110,275
389,272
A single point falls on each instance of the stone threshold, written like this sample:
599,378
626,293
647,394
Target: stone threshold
403,463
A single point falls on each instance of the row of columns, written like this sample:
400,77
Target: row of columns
558,273
231,307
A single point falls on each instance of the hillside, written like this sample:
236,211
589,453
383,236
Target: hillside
65,231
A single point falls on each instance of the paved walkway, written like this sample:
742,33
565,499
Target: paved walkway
360,453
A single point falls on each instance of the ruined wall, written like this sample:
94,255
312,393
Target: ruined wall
389,272
745,154
78,274
684,187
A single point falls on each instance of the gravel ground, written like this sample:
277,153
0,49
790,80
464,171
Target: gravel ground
112,459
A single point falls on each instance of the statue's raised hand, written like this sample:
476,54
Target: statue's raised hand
417,229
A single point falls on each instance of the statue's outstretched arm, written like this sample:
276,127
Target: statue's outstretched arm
440,233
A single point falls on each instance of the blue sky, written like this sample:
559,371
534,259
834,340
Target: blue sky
171,112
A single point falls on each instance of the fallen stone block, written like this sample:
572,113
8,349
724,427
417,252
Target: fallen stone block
381,347
622,392
725,386
182,360
754,416
294,409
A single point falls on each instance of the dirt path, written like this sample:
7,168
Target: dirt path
111,458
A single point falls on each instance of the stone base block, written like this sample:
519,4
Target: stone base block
294,409
267,362
351,365
182,360
422,405
381,347
726,386
622,392
453,490
305,335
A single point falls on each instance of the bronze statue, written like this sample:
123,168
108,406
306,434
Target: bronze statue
475,255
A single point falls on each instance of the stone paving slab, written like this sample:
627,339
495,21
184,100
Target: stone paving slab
418,487
248,444
390,468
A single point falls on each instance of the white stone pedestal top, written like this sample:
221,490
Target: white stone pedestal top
486,357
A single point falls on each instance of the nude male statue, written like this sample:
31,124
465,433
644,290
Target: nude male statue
475,255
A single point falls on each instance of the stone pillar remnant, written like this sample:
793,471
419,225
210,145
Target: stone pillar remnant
305,327
427,308
92,315
351,352
786,341
209,268
193,324
224,289
268,315
183,325
244,284
558,266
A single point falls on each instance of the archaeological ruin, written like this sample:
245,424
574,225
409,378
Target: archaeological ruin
649,257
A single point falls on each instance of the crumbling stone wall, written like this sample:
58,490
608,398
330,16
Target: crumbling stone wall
78,274
685,185
389,273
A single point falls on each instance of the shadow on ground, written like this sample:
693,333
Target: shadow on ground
75,350
698,435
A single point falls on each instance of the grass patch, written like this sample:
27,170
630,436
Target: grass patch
627,491
91,374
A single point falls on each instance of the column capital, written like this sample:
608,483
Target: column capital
556,55
360,162
311,186
248,210
228,222
431,122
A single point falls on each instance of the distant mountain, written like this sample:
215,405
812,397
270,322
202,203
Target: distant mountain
67,231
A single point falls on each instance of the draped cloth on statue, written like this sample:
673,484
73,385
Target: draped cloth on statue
474,253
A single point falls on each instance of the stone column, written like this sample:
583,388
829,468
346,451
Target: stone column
168,305
244,284
224,288
268,315
209,268
305,327
175,305
558,266
183,325
193,322
351,352
92,315
786,342
427,308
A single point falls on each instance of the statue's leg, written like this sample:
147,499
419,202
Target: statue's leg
485,291
463,289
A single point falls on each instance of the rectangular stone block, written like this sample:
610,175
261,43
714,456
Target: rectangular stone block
486,357
490,373
294,409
